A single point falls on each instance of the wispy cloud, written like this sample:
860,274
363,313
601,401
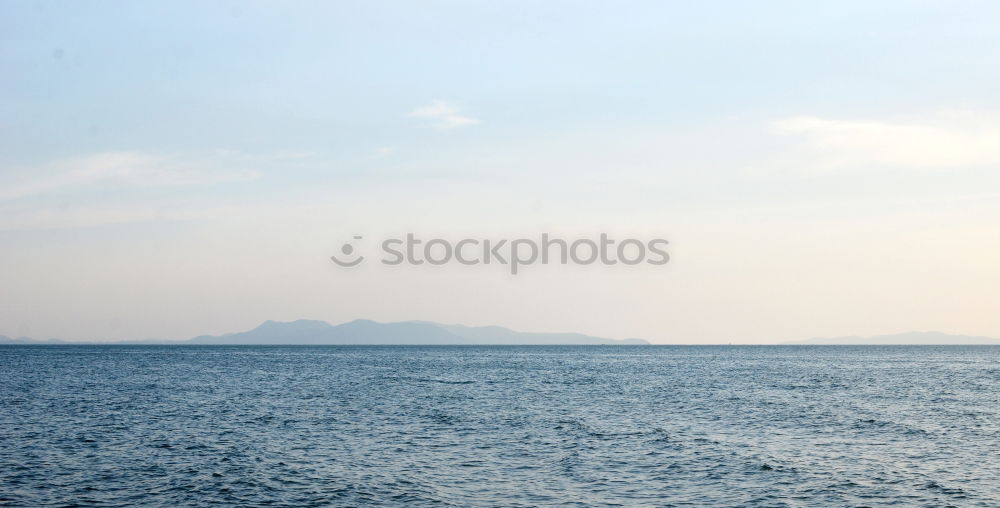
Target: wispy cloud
114,169
443,115
24,219
383,151
945,140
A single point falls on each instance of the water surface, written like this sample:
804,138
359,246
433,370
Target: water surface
499,426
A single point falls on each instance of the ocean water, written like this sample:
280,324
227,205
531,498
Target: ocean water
499,426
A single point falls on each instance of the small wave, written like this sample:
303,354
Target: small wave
440,381
950,491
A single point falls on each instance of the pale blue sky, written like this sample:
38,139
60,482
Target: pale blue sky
821,168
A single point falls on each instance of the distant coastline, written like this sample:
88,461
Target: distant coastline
367,332
901,339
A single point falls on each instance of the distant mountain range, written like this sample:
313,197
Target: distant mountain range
908,338
361,331
26,340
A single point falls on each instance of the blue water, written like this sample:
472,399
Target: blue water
499,426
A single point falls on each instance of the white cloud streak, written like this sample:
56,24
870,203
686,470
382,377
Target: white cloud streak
950,139
114,169
443,115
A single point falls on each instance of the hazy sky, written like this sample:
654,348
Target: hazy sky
820,168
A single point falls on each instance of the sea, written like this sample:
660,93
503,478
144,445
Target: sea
470,426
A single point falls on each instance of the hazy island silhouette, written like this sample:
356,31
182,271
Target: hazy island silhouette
367,332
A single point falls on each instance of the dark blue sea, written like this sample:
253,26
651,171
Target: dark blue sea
499,426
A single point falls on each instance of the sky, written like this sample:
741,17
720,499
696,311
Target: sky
171,169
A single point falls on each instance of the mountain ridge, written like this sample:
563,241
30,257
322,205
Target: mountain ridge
933,338
366,332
